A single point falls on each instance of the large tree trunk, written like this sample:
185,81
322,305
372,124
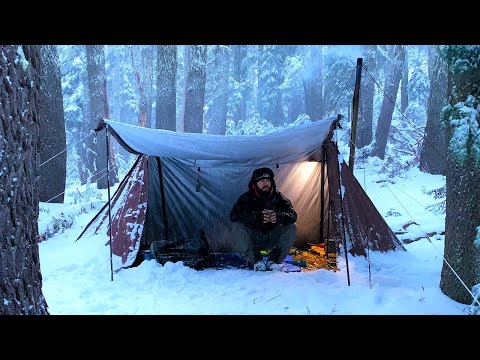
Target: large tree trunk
392,81
166,109
434,148
20,276
365,119
462,234
216,116
97,152
240,76
142,63
194,91
53,157
404,84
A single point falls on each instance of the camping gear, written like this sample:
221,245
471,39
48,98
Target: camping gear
183,182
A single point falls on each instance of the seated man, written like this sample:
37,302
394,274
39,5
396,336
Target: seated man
264,219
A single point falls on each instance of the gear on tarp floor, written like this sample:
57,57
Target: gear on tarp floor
316,258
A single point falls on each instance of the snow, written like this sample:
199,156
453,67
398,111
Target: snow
21,58
77,278
464,129
476,242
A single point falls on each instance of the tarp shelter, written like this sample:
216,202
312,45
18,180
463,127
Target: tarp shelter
184,182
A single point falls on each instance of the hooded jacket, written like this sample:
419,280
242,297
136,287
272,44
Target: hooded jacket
249,206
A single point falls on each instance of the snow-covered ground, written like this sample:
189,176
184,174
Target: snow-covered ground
77,277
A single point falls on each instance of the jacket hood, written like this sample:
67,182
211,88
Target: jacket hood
262,173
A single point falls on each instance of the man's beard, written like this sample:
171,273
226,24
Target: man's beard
265,191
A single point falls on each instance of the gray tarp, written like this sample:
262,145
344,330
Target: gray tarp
222,166
288,145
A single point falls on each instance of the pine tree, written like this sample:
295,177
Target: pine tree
194,89
52,128
166,87
218,75
20,275
434,149
392,82
462,228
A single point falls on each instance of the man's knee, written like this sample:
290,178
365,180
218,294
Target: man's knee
242,236
290,232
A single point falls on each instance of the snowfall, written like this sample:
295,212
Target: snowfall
77,277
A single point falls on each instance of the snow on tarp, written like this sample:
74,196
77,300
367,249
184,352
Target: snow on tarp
129,205
287,145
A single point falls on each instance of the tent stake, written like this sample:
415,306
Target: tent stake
109,204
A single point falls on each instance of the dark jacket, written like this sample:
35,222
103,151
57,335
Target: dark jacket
249,206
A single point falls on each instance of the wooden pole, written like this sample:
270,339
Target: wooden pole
323,165
356,96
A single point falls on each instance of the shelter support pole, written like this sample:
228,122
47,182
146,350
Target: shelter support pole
343,221
322,195
109,203
164,206
356,97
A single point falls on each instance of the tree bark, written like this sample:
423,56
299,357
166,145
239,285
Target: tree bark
52,128
194,91
20,275
142,64
433,154
166,109
404,84
96,152
462,234
392,81
365,118
217,112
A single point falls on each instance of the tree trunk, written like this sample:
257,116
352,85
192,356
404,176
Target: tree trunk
365,118
462,234
142,64
295,109
20,275
142,115
433,154
392,81
240,76
217,113
194,91
52,128
96,153
166,109
404,85
314,102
